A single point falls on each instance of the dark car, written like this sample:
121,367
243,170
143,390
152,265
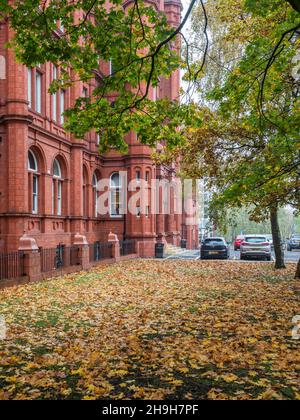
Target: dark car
293,243
215,248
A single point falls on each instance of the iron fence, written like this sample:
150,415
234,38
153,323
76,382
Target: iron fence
51,259
127,247
48,259
12,265
100,251
59,257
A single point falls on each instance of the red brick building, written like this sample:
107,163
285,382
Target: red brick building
48,179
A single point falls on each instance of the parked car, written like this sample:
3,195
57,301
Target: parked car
293,242
215,248
256,247
238,240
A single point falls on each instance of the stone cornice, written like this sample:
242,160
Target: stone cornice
27,119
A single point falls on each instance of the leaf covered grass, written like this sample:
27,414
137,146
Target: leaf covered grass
153,330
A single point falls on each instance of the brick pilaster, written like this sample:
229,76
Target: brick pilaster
32,258
113,239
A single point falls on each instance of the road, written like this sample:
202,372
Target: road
292,256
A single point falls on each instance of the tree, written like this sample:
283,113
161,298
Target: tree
238,220
247,142
266,96
243,169
138,42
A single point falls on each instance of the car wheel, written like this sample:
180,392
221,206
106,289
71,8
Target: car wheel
288,248
235,248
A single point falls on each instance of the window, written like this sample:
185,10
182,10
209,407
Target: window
56,169
38,92
54,96
59,194
95,194
33,182
138,175
57,189
85,92
147,176
32,162
111,68
62,106
35,194
85,200
54,106
61,26
255,239
29,86
154,93
115,195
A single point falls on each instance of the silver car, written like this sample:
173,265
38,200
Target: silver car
256,247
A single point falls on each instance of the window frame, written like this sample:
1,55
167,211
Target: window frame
54,95
57,193
34,182
117,190
29,86
62,106
38,91
35,194
95,194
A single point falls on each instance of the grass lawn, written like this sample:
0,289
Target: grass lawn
153,330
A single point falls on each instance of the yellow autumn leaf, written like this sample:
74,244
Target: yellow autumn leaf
230,377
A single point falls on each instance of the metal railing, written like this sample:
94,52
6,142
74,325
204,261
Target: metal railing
127,247
58,258
53,259
100,251
48,259
11,265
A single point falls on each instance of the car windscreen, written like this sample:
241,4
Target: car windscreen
213,241
256,240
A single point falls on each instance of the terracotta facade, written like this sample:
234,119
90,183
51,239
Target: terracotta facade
51,208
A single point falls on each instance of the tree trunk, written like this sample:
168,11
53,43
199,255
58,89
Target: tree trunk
279,254
297,276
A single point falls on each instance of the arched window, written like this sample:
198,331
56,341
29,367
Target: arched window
56,169
33,182
115,194
95,194
57,189
32,162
